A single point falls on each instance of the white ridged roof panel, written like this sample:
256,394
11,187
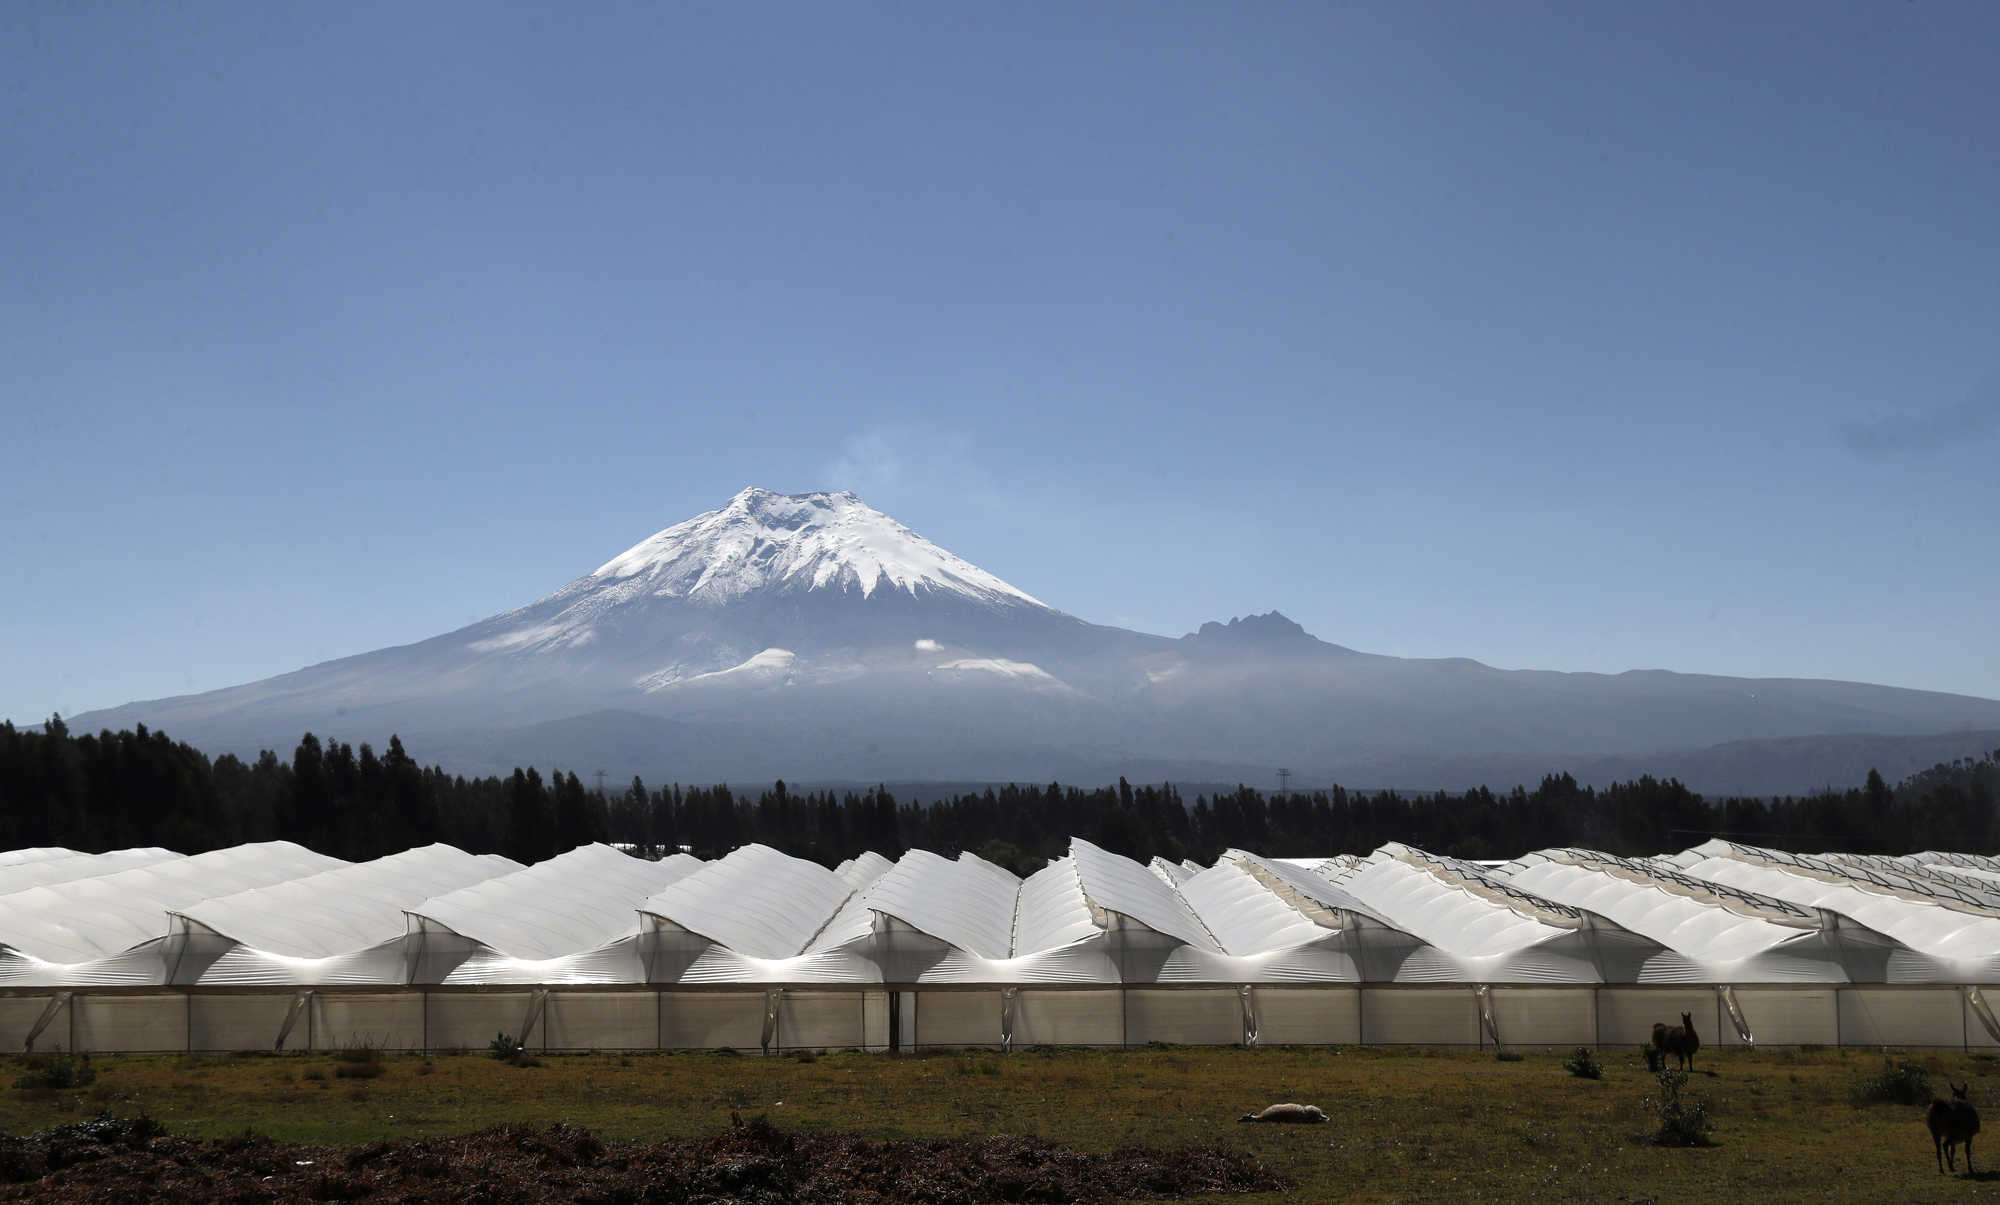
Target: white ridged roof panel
1118,884
91,918
1051,910
1450,913
971,907
1950,926
858,872
1245,915
39,853
578,901
42,872
756,902
346,909
1709,929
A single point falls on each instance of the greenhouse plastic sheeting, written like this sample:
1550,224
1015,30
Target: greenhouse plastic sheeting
1308,1016
1786,1017
241,1021
385,1020
132,1023
1906,1016
614,1020
1194,1017
1069,1018
1544,1016
1419,1017
953,1018
711,1020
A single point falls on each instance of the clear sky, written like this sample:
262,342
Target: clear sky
1572,336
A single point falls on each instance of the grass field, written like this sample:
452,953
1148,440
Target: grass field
1408,1124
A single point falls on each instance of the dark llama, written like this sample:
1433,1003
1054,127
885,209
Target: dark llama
1678,1040
1952,1122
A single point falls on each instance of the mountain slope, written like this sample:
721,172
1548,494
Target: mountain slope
811,636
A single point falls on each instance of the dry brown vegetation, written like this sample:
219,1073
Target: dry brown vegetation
1407,1124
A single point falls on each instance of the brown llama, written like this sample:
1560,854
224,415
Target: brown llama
1953,1122
1678,1040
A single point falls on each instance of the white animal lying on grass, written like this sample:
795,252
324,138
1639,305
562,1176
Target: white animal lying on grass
1302,1114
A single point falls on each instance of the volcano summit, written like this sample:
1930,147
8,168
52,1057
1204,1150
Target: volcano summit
809,636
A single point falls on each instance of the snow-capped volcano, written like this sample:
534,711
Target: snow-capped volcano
810,635
748,559
767,541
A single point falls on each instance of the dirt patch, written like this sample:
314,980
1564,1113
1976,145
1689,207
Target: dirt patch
752,1163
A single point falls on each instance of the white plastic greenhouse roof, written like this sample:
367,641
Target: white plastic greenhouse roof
1889,876
347,909
1331,869
1479,879
39,853
963,904
91,918
1708,923
39,872
999,874
1051,910
860,871
1720,913
1245,915
1123,886
756,902
571,903
1933,857
1946,920
1454,908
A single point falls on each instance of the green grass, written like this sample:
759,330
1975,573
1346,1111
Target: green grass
1407,1124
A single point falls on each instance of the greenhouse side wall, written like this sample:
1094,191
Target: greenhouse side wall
819,1017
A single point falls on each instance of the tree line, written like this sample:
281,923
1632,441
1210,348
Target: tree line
113,790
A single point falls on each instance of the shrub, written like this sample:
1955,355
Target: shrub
358,1070
1509,1056
1583,1064
1683,1121
359,1054
508,1049
1903,1083
55,1072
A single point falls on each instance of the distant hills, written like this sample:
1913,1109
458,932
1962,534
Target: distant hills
814,638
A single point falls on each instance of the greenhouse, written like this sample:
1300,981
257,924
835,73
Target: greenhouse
273,946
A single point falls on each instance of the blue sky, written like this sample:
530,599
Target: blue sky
1564,336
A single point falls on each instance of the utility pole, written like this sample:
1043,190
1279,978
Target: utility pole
600,784
1284,781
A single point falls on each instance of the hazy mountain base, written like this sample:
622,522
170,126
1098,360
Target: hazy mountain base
675,750
812,637
1216,713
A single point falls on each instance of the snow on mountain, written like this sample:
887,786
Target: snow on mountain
761,544
763,540
1026,672
772,667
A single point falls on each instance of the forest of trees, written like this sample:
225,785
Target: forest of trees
138,788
